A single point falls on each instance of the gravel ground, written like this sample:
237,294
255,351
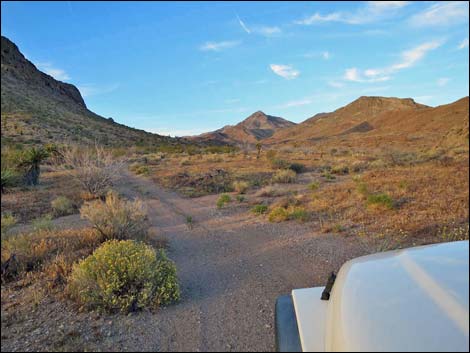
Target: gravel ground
232,266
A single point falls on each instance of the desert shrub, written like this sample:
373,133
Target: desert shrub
278,214
240,198
341,170
124,276
315,185
271,191
8,221
362,188
297,167
95,169
240,186
116,218
271,154
328,176
259,209
284,176
9,178
43,223
34,251
140,169
223,200
62,206
380,199
298,213
454,233
277,163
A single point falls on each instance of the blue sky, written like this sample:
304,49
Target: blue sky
185,68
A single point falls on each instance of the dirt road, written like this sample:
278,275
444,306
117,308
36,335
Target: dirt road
232,266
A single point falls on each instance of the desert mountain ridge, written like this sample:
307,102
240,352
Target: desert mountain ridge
258,126
36,108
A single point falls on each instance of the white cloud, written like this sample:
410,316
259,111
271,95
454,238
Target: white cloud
267,31
326,55
243,25
55,72
372,11
443,81
408,59
442,14
463,44
218,46
285,71
88,90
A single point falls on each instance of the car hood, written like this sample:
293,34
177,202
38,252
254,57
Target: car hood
407,300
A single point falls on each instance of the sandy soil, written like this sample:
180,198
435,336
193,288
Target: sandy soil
232,266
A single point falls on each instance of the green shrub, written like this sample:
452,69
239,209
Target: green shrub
142,170
62,206
9,178
284,176
223,199
116,218
240,186
298,213
259,209
278,214
340,170
362,189
240,198
124,276
381,199
8,221
297,168
277,163
43,223
327,175
314,185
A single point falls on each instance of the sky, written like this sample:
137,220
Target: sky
183,68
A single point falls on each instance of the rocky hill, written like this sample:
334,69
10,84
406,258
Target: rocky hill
258,126
36,108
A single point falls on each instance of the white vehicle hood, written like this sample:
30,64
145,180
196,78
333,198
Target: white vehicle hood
408,300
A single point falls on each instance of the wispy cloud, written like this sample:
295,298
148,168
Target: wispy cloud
443,81
218,46
232,101
326,55
442,14
408,59
58,74
243,25
285,71
88,90
372,11
463,44
266,31
178,132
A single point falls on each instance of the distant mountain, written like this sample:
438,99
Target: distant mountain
382,122
36,108
258,126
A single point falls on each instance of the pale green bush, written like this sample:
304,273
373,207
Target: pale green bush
62,206
124,276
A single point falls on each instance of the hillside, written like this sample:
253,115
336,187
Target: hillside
258,126
36,108
379,122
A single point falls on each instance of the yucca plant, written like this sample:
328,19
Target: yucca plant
8,179
30,161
